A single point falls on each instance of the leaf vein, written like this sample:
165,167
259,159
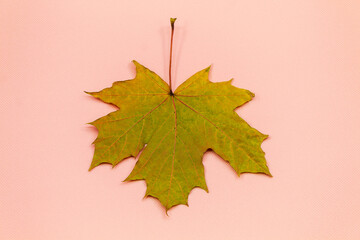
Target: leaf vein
222,132
108,148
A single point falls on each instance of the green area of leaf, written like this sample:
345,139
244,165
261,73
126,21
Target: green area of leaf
175,130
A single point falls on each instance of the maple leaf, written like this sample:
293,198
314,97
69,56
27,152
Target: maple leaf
177,128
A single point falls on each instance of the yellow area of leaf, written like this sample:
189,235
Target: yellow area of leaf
177,130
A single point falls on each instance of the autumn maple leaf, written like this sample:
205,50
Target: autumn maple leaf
177,128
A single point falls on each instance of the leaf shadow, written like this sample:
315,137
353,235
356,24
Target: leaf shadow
93,130
132,69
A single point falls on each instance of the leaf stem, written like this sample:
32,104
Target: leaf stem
172,22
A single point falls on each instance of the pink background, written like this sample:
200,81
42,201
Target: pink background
300,58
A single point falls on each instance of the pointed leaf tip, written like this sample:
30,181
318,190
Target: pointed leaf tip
136,63
252,95
91,93
138,66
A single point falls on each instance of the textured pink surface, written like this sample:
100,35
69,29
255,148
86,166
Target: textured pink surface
300,58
